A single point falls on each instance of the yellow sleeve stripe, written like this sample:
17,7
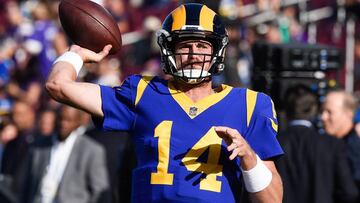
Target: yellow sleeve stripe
273,109
143,83
250,104
273,125
206,18
179,18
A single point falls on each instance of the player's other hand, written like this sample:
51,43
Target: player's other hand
90,56
238,146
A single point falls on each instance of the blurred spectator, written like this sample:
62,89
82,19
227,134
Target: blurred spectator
315,168
46,42
152,67
67,167
5,102
16,150
338,113
8,132
108,72
120,157
357,120
357,64
143,48
337,116
238,57
272,33
46,123
23,117
8,48
19,72
30,93
119,11
290,28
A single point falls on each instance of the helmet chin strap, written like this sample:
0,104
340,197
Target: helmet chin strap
192,76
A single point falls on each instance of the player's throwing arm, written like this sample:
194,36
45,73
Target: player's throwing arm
62,85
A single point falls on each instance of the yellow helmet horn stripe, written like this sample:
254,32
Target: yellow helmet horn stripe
179,18
206,18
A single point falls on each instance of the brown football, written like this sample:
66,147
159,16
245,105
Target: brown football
89,25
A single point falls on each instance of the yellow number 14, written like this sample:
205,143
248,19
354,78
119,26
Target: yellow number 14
211,168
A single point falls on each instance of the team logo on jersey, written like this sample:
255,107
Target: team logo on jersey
193,111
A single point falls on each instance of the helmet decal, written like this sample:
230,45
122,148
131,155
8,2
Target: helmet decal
206,18
179,18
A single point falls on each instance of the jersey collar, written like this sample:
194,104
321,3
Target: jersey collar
193,109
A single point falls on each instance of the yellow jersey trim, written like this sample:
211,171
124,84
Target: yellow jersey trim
186,103
251,97
143,83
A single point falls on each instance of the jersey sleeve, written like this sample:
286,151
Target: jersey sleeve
262,130
118,106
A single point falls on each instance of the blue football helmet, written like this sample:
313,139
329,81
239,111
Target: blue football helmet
192,22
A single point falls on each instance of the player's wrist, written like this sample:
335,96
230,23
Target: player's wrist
73,58
248,160
258,177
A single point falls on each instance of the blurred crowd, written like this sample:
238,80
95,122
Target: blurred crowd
31,38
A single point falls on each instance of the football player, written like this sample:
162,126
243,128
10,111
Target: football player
193,143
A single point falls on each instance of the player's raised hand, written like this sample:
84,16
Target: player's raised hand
237,145
90,56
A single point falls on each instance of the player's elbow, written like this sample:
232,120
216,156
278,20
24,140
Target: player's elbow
54,88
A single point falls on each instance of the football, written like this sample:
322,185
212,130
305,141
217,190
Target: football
89,25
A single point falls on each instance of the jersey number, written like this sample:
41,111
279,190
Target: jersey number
211,168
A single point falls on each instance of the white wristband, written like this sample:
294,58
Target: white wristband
257,178
73,58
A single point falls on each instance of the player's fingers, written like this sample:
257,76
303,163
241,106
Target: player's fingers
226,131
102,54
75,48
92,56
234,154
233,133
232,146
106,50
222,134
220,129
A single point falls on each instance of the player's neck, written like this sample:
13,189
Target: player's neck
196,92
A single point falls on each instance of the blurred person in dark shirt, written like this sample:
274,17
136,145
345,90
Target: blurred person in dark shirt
315,168
337,116
121,160
47,122
14,154
8,132
23,117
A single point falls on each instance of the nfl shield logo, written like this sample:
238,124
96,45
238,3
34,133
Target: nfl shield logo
193,111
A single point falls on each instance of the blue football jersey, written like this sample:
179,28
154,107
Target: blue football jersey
180,158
